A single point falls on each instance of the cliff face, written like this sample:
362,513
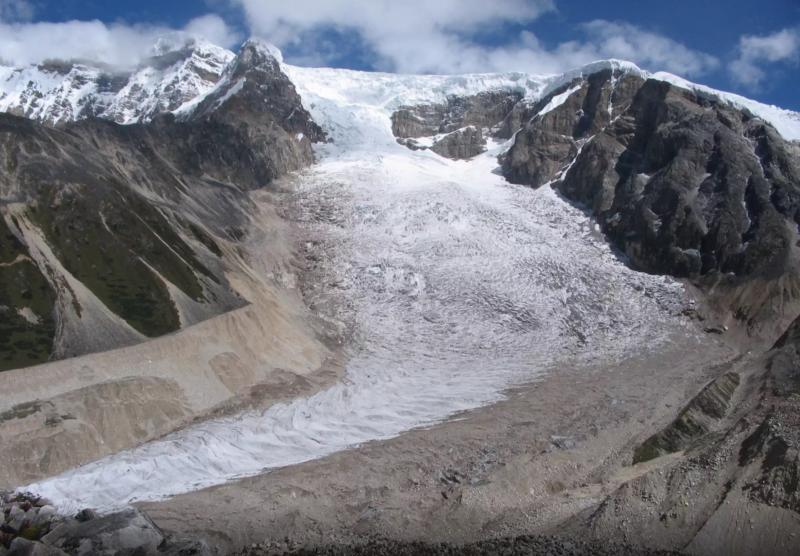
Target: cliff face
115,233
681,183
457,128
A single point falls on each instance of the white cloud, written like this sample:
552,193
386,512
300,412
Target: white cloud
755,52
425,36
115,44
648,49
405,36
411,36
214,29
15,10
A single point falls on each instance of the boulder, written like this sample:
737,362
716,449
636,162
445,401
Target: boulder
24,547
461,144
126,532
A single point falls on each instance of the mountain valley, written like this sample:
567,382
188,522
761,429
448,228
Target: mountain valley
275,308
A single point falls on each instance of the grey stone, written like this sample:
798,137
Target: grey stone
45,515
461,144
484,110
122,532
24,547
16,517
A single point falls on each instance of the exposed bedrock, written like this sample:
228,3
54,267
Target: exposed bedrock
455,129
683,184
461,144
486,109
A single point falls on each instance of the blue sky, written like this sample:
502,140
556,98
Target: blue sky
750,47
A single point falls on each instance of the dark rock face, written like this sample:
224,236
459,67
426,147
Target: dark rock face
684,185
550,140
133,211
260,109
464,120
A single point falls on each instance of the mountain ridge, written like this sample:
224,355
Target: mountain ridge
36,100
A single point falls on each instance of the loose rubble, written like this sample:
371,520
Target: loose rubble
32,527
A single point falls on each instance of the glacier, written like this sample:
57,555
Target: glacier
456,286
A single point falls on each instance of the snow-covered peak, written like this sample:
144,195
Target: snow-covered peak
57,92
184,70
261,47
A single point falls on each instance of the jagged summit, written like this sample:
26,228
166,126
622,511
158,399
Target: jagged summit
256,47
55,92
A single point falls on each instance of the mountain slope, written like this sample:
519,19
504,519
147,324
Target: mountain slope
121,229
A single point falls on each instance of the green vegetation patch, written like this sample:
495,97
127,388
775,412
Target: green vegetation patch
110,239
205,239
10,246
102,261
23,341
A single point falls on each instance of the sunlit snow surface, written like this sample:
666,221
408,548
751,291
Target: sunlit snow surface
456,286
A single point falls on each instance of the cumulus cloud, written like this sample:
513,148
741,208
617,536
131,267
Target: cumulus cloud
628,42
214,29
421,36
412,36
116,44
756,52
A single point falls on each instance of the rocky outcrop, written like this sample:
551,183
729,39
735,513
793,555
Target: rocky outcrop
31,527
696,420
258,105
456,128
486,110
461,144
683,184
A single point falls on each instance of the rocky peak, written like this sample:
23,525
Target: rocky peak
255,52
257,93
683,183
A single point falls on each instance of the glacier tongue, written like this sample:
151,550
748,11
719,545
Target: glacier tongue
455,285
